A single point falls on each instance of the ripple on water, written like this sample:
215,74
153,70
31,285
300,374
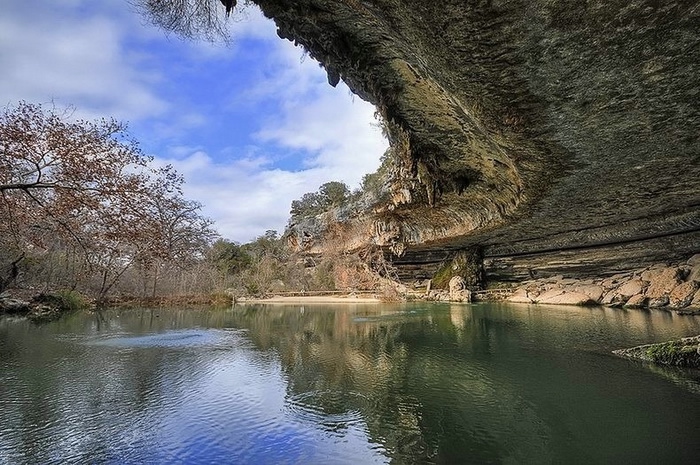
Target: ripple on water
333,411
169,339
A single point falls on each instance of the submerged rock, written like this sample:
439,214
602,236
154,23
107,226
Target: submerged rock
683,352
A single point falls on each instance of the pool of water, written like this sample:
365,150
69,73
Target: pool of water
410,383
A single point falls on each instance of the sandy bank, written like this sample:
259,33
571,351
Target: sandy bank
311,300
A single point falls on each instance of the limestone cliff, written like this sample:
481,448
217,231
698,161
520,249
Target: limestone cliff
558,136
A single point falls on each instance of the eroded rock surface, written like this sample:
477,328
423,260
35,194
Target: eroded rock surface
561,136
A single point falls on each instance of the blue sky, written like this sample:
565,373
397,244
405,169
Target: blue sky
252,125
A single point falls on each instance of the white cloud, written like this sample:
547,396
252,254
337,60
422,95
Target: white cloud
247,196
337,132
336,129
73,60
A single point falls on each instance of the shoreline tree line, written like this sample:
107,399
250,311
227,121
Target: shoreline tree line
84,210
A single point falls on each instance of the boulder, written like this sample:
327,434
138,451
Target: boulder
636,301
630,288
650,274
612,298
696,300
549,294
694,260
694,273
682,295
464,295
663,283
459,291
615,280
563,297
457,283
594,292
658,302
521,296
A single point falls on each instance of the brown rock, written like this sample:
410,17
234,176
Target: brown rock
565,298
549,294
694,274
694,261
457,283
612,299
595,293
520,296
696,300
682,295
653,272
658,302
621,277
464,295
630,288
636,301
663,283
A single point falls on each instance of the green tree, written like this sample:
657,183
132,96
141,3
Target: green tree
333,193
229,258
329,195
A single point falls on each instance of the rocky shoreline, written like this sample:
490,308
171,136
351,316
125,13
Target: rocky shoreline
671,287
40,308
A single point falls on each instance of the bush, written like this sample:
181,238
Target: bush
71,301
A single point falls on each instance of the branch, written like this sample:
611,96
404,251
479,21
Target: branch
31,185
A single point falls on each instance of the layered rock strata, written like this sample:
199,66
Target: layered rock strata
559,136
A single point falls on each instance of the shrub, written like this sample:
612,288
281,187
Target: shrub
72,301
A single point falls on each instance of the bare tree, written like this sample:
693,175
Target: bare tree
89,185
194,19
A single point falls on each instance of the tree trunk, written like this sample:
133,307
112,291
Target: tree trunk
13,272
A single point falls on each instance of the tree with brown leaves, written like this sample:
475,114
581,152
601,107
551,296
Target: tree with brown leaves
88,187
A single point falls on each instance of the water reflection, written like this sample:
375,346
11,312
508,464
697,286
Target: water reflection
349,384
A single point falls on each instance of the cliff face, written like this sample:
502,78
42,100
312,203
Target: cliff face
557,136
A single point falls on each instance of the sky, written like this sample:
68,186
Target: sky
251,125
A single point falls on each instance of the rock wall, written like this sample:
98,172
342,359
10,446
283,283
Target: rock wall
559,136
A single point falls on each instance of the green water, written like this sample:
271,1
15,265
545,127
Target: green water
413,383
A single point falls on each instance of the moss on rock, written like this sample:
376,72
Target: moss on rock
682,352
